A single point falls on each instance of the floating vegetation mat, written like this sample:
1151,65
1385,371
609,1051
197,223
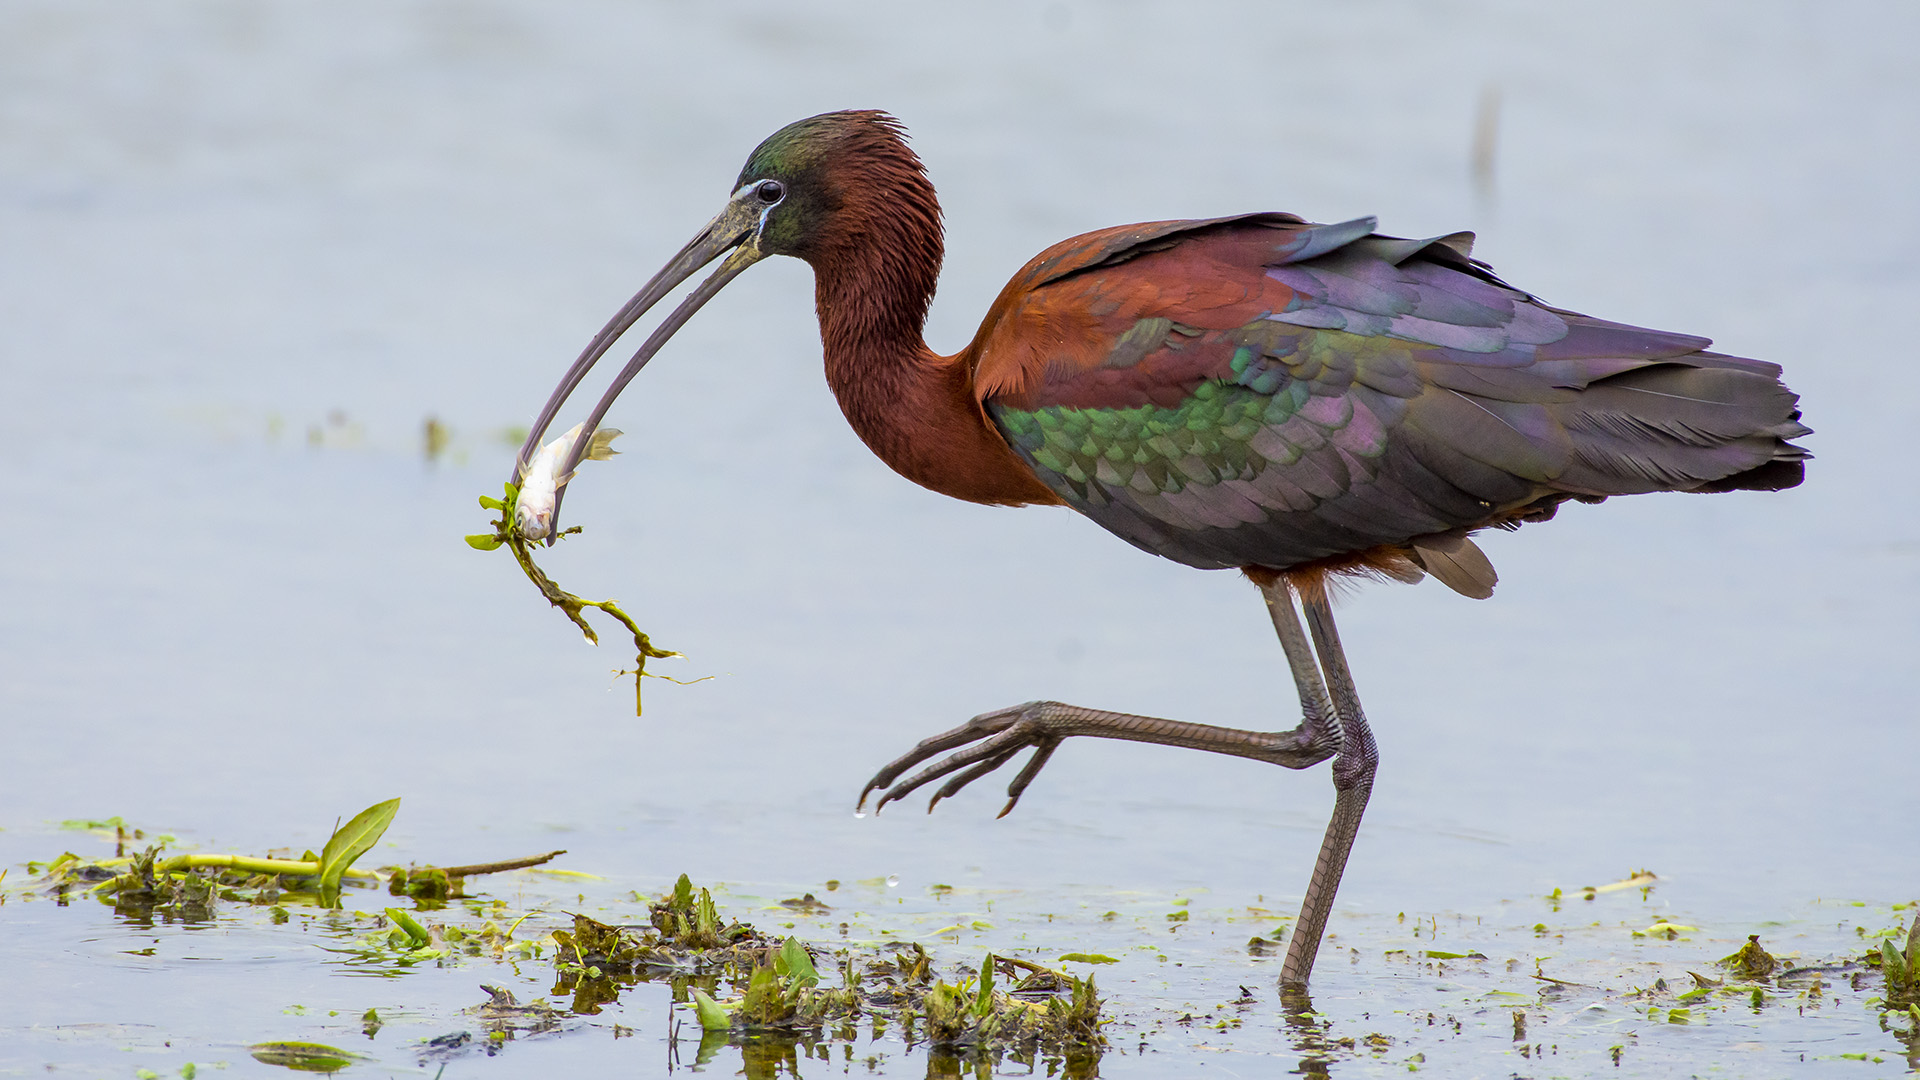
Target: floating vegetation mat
745,987
553,969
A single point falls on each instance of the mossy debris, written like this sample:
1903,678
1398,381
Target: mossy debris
1750,961
683,934
1008,1004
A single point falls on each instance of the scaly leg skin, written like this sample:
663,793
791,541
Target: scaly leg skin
1331,725
997,737
1352,783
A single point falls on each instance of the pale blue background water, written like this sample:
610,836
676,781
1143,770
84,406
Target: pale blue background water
221,222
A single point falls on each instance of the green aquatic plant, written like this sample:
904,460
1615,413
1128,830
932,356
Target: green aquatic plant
1046,1009
415,933
1899,964
683,933
777,988
348,843
783,993
692,922
505,532
193,879
304,1056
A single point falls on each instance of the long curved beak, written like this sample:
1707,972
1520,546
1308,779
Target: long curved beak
736,227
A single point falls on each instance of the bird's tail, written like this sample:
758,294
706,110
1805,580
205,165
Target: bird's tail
1701,422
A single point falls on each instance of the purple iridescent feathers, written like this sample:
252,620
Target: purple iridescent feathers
1260,392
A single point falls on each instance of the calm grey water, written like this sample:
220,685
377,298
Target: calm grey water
246,249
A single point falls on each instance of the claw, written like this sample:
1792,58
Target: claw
995,737
1041,752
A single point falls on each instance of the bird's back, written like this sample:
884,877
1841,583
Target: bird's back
1262,392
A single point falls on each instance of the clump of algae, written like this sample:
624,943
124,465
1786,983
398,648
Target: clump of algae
1751,961
778,989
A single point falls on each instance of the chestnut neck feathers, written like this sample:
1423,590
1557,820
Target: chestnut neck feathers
876,249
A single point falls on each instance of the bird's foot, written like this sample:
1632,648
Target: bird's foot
995,737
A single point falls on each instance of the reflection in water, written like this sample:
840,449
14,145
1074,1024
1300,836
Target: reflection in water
1309,1031
589,993
1908,1036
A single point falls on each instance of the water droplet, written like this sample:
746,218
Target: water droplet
859,813
893,880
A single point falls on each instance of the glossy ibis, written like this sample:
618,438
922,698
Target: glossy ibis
1296,401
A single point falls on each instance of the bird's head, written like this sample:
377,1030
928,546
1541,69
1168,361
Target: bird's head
806,191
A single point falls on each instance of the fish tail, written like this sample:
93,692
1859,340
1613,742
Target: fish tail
601,448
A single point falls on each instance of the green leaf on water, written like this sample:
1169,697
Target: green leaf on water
794,963
303,1056
983,1005
1087,958
349,842
114,822
483,541
412,926
713,1017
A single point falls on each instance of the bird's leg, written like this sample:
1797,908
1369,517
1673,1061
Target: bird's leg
1352,783
990,740
1318,720
1331,725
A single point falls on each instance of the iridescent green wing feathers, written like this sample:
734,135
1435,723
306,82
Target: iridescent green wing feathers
1265,393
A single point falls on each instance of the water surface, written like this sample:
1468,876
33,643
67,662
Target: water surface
246,251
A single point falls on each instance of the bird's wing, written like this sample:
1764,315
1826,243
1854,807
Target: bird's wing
1263,392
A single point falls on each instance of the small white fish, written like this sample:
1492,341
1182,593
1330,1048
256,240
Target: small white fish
540,479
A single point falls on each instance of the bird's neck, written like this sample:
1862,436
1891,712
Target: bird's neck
913,408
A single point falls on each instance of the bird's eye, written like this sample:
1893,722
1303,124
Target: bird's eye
770,191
